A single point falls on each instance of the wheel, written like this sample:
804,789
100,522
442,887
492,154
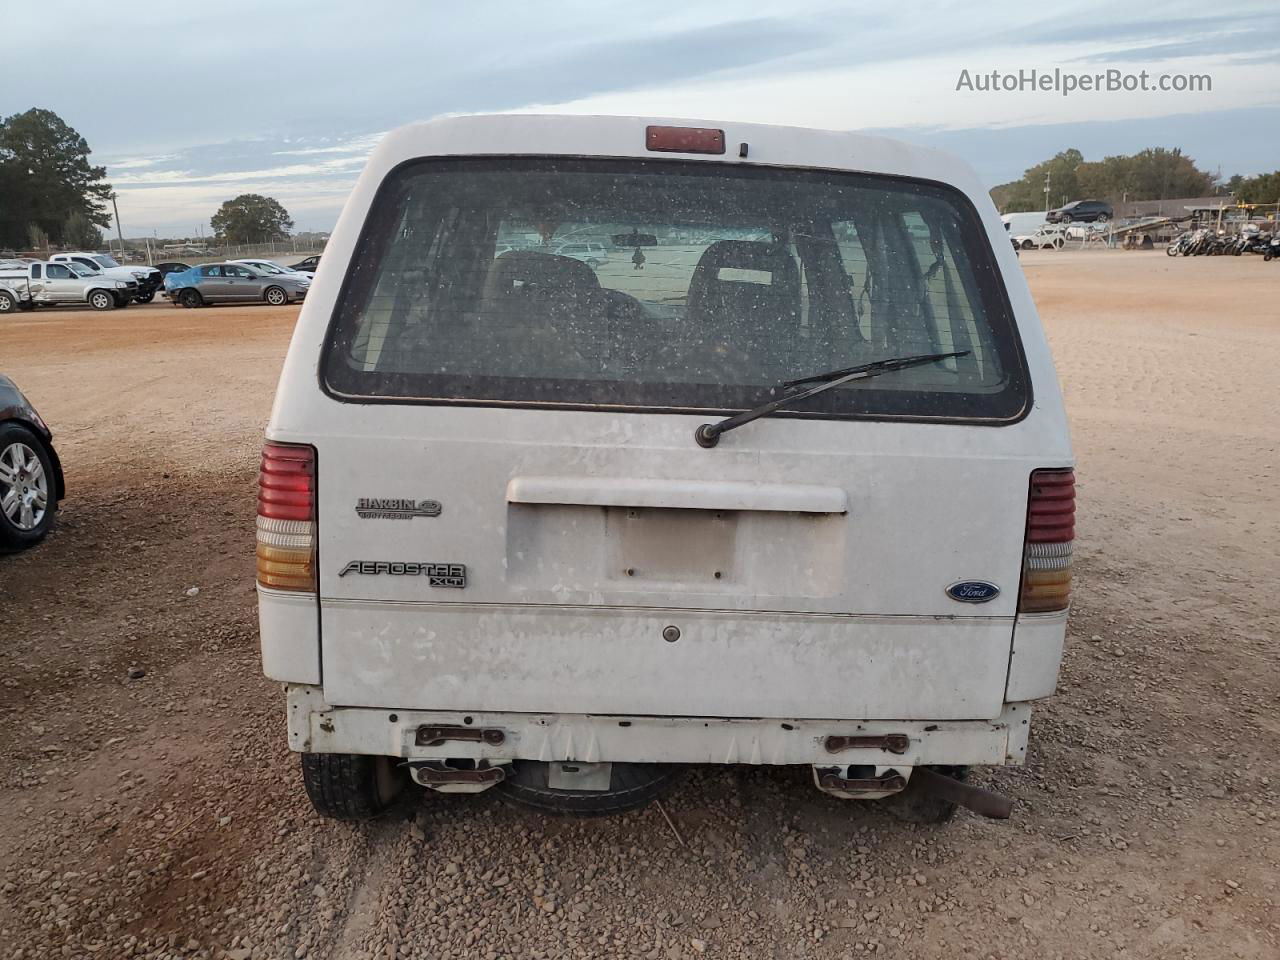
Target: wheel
631,785
190,298
101,300
8,302
1028,245
917,805
276,296
1103,218
145,297
351,786
1058,243
27,498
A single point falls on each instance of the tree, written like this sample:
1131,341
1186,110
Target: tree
1264,188
1156,173
78,232
45,177
1028,193
251,218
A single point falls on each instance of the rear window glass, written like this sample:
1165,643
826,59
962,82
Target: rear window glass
638,284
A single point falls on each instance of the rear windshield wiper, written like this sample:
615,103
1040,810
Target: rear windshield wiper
708,435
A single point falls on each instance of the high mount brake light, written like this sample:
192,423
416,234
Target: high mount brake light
1051,528
684,139
286,537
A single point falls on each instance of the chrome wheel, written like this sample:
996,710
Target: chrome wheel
24,487
277,297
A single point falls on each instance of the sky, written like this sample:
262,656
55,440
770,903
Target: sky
287,99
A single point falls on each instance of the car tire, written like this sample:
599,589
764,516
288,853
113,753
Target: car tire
145,297
916,804
1028,244
190,298
631,785
8,302
17,531
276,296
351,786
1102,218
102,300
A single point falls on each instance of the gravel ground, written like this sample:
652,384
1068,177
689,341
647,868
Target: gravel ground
162,816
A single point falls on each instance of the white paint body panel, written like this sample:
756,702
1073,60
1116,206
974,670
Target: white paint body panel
804,561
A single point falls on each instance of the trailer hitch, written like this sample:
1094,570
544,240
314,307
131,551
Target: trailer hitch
433,773
983,802
891,781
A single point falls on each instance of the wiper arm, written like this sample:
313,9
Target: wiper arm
708,435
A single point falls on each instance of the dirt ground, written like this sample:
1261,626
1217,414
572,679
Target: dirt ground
164,817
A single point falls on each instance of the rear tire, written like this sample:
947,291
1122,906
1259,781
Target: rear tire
351,786
631,785
276,296
101,300
8,302
145,297
916,804
190,299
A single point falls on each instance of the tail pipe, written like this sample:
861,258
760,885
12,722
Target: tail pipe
983,802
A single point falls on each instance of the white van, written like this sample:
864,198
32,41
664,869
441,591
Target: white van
805,498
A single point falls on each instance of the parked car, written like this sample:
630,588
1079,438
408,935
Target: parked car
172,266
51,284
553,565
592,254
1085,211
308,264
14,295
271,267
147,280
31,481
233,283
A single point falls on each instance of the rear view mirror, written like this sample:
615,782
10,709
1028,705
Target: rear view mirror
634,239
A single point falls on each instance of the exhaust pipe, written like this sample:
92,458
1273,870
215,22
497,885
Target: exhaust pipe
983,802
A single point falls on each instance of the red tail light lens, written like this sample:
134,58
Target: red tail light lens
684,139
1051,529
286,537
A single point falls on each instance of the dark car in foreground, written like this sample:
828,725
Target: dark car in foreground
31,482
1081,211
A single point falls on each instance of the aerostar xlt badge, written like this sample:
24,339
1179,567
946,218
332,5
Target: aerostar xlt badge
380,508
437,574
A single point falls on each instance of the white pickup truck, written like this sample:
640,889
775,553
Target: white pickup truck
147,280
43,283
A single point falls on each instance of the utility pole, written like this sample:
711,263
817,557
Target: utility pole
119,232
1046,191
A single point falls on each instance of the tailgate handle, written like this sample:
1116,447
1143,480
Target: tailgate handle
678,494
434,736
892,742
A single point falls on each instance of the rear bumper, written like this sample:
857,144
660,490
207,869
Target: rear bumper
317,727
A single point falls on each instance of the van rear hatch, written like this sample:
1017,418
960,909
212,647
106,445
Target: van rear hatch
514,514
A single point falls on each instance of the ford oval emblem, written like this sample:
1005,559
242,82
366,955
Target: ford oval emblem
973,591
